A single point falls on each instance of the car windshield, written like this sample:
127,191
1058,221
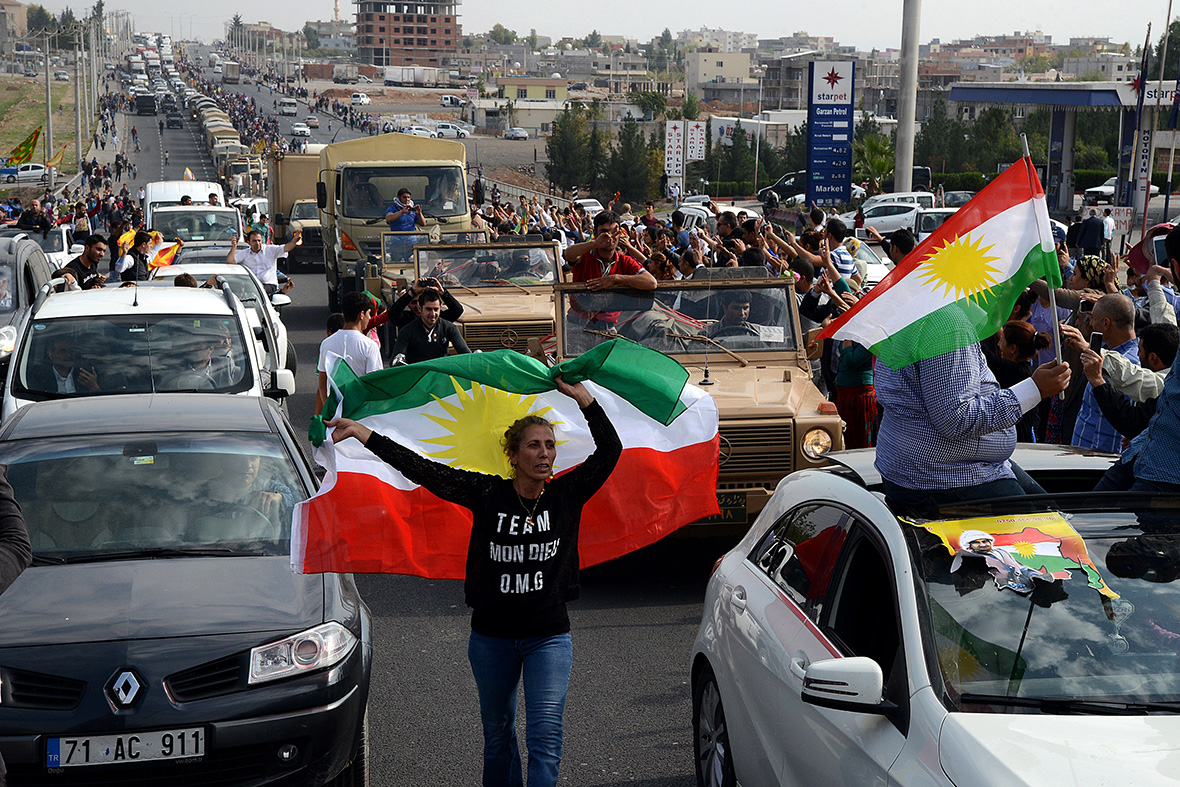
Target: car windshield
49,242
1102,628
84,356
197,225
305,210
398,247
714,316
369,192
86,498
488,265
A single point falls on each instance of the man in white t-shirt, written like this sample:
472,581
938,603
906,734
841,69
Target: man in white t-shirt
362,354
262,258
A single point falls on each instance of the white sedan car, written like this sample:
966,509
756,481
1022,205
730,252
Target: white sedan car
418,131
516,133
991,644
1105,192
885,217
300,130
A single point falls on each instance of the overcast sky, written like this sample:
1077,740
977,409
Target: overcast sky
862,23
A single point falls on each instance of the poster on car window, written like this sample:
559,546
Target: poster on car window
1020,549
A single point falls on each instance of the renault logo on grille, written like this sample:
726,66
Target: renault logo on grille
124,690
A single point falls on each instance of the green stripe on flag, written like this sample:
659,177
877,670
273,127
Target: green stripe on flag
651,381
968,320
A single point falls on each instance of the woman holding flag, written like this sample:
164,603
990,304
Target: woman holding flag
522,569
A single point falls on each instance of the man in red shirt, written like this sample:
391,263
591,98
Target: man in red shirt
600,264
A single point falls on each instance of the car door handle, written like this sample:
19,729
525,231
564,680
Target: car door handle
738,598
798,666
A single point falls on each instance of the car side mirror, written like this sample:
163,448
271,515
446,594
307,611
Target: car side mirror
283,384
77,248
852,684
279,300
321,194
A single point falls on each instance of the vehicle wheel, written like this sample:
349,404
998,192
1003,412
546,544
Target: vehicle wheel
292,361
714,758
357,772
11,179
437,136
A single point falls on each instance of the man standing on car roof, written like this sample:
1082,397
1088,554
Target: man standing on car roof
263,258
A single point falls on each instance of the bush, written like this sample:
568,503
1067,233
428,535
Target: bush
1089,178
957,181
731,188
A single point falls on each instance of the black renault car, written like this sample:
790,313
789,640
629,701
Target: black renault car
160,636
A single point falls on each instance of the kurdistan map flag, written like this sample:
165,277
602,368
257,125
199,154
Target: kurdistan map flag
368,518
959,285
1044,543
23,153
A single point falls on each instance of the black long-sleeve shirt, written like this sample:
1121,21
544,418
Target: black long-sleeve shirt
417,343
15,551
1129,418
401,316
522,560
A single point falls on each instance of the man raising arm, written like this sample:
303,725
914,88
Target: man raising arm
600,264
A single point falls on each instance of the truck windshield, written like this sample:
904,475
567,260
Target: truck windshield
370,191
743,317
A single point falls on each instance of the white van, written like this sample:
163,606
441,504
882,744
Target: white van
452,101
164,193
923,199
288,106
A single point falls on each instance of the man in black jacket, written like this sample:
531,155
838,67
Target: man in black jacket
430,335
1092,234
1157,351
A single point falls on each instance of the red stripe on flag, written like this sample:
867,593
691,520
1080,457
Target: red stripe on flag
365,526
1010,188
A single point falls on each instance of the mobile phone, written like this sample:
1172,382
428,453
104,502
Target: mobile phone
1096,341
1086,307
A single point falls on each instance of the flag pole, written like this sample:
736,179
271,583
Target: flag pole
1052,292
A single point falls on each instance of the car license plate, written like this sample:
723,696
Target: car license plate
128,747
733,509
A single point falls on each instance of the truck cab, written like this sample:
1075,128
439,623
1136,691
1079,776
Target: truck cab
359,181
740,338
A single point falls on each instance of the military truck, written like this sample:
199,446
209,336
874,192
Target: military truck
358,182
506,289
740,339
291,192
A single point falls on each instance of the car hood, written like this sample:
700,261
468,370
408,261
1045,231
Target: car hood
977,749
147,599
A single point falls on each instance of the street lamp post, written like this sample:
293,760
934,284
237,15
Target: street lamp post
758,128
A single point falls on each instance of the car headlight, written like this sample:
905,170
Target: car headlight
816,443
314,649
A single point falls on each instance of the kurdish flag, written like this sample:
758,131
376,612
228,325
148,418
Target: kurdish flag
56,160
959,285
23,152
368,518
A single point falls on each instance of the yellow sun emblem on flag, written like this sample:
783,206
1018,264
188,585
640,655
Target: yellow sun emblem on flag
476,425
1025,549
959,662
960,267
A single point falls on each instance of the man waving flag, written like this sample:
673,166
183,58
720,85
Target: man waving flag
960,284
454,410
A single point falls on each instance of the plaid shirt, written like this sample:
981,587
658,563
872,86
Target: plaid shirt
1092,430
947,422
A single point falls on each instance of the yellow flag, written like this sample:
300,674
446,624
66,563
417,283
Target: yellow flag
56,160
23,152
188,174
127,237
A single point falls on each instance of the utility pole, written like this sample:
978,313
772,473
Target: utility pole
48,110
907,102
79,97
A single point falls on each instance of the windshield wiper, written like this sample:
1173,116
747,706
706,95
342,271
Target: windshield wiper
696,337
1072,704
505,281
152,553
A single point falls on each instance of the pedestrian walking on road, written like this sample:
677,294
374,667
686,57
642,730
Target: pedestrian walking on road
517,629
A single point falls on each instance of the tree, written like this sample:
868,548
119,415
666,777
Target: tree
691,108
40,20
627,171
873,158
236,23
739,163
1153,68
565,147
594,40
940,144
597,151
653,104
795,151
532,39
312,37
502,35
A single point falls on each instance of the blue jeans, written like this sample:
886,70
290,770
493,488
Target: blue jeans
925,502
498,663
